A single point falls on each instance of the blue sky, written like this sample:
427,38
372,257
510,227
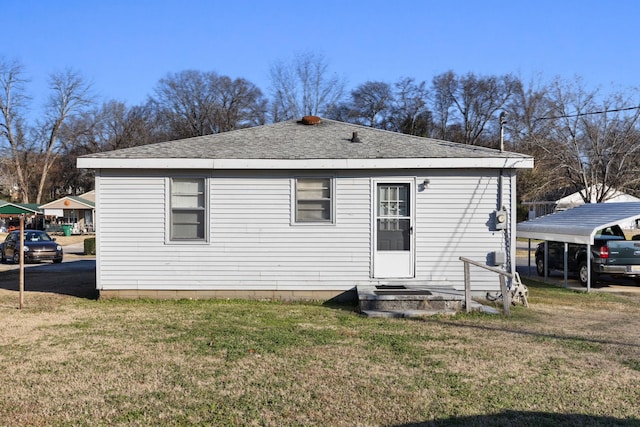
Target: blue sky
125,47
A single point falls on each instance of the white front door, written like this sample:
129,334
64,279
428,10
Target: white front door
393,230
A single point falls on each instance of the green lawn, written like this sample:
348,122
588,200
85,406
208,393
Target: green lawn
570,359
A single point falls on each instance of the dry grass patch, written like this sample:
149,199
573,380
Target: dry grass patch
571,358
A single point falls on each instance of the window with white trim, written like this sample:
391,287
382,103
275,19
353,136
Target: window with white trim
314,200
188,209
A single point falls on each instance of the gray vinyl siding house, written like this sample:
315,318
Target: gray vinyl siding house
299,211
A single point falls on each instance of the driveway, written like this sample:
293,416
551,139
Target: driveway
75,276
527,268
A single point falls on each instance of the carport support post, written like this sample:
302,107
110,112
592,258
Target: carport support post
529,259
588,267
566,262
21,286
546,259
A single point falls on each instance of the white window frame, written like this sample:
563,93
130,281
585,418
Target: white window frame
169,211
332,200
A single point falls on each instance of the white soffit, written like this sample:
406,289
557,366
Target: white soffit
579,224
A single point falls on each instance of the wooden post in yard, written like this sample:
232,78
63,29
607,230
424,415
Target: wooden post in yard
467,287
21,286
506,301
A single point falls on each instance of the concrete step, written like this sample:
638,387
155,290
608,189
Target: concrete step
413,300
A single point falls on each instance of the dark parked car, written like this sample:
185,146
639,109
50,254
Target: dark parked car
38,246
611,254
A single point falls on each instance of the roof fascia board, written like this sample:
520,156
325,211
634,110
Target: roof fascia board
557,237
411,163
73,204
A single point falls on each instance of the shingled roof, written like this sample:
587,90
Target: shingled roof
293,140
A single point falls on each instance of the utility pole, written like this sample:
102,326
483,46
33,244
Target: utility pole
503,120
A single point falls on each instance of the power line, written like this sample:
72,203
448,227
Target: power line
617,110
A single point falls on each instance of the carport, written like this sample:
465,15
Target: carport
578,225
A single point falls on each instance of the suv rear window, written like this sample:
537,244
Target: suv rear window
610,233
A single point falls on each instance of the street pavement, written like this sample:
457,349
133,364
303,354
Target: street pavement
73,252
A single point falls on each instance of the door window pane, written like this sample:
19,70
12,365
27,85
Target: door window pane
393,200
393,222
394,234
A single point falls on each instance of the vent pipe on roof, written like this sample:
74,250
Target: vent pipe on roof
311,120
354,137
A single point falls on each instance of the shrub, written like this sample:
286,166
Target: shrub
90,246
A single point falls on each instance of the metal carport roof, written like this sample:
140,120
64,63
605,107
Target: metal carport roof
577,225
580,224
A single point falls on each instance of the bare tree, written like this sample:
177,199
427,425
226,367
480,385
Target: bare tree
126,126
111,126
193,103
34,150
70,94
526,133
613,141
526,106
597,140
372,104
240,104
13,103
185,101
410,112
342,112
304,87
442,105
475,100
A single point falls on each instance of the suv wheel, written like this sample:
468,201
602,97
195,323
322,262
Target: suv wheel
583,272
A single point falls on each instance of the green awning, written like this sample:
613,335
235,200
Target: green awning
17,209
